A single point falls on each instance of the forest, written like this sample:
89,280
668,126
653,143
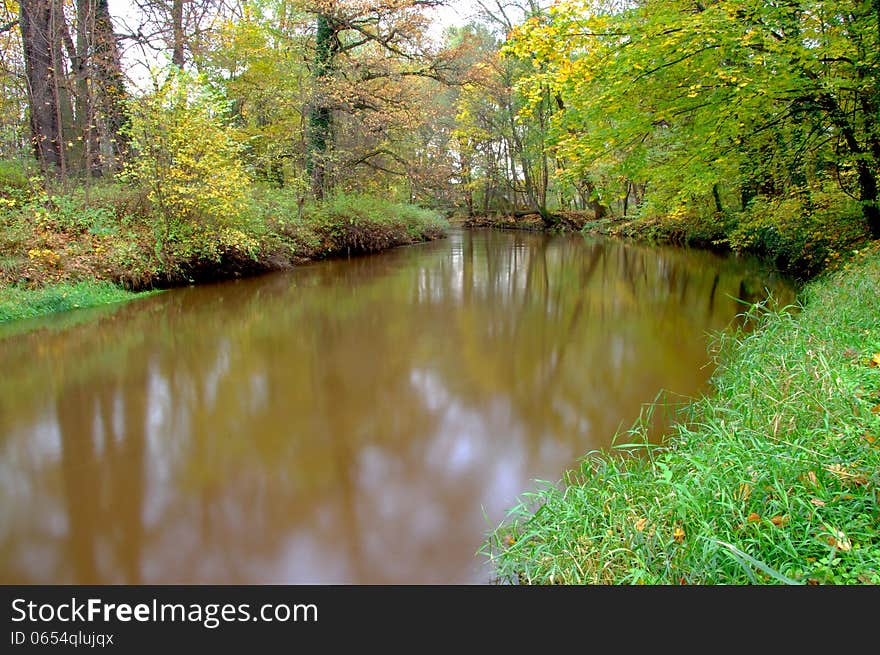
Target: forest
182,140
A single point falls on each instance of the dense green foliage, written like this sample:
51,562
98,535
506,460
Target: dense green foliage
753,123
772,478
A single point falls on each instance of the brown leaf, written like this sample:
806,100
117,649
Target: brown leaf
840,541
754,517
811,476
779,520
839,470
817,502
641,523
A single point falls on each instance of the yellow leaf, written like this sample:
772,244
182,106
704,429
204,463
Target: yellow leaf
875,360
839,540
641,523
678,534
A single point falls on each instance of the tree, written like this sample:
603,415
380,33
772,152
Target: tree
707,102
41,24
364,52
179,26
260,61
76,102
14,132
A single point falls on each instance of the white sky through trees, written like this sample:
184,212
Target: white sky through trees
137,61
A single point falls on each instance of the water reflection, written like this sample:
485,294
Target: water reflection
350,421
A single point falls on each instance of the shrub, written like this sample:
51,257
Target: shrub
800,232
362,223
188,162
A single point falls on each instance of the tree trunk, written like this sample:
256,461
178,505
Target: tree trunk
111,85
716,196
868,196
868,191
85,150
177,33
37,29
320,115
598,208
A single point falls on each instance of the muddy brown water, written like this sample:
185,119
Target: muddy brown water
366,420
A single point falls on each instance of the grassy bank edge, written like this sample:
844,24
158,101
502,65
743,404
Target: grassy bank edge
773,477
784,248
340,227
18,303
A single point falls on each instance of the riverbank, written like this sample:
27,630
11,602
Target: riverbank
60,252
796,245
772,478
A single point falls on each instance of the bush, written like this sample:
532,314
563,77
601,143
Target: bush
188,162
801,233
14,175
362,223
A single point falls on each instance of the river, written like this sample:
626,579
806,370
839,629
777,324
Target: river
363,420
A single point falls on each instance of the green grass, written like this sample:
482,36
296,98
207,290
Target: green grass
361,223
773,478
18,303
